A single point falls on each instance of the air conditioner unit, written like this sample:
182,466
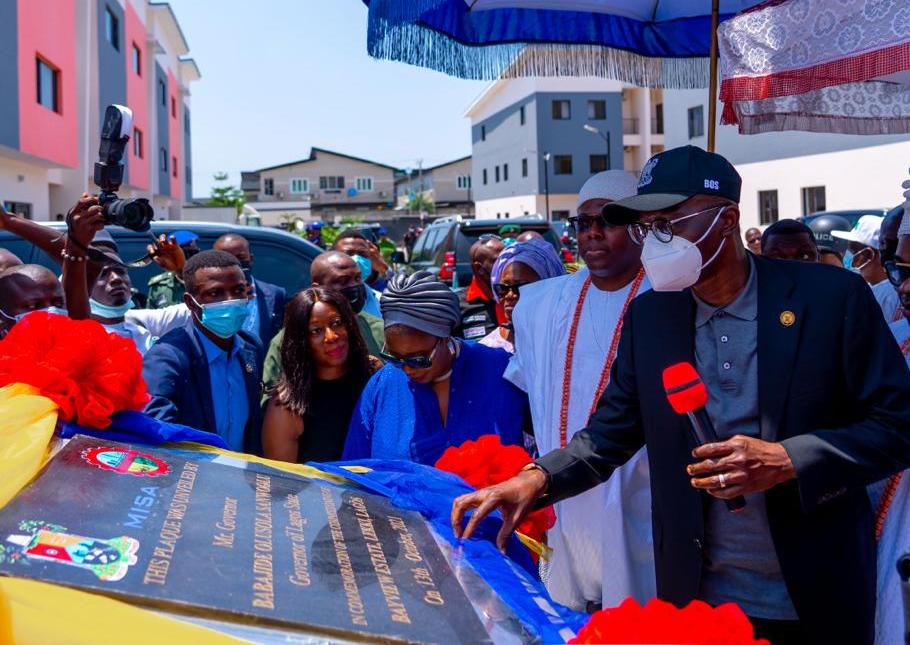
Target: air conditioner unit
280,195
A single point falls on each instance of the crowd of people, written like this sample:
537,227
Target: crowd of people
809,387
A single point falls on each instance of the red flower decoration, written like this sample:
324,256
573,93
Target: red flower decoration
486,462
662,622
89,373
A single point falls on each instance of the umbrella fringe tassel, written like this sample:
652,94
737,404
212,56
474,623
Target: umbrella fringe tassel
417,45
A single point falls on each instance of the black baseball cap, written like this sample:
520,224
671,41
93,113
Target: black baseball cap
673,176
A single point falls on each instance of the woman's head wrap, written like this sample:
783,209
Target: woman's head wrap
421,302
538,254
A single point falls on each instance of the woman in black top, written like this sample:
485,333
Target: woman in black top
325,366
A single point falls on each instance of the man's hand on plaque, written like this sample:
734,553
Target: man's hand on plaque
514,498
740,465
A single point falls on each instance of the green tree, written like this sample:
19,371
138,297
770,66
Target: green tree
419,202
224,194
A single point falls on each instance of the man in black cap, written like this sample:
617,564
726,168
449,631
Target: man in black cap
809,398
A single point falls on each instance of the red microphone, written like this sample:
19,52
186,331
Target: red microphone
687,394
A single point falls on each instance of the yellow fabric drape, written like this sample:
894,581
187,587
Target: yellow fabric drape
27,422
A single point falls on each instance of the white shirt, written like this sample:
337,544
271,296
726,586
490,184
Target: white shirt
895,541
141,336
495,340
602,542
887,298
160,321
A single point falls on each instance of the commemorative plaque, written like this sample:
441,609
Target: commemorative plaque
194,537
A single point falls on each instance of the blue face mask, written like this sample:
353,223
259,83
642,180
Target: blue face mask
225,318
366,267
109,311
58,311
848,261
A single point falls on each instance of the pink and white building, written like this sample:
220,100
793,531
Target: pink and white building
61,63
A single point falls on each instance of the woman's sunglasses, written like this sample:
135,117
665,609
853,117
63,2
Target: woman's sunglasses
415,362
502,289
898,272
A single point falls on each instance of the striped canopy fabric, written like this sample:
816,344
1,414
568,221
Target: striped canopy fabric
650,43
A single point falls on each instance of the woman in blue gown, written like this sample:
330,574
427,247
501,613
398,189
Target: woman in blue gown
435,391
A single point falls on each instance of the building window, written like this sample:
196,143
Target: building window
524,167
137,60
496,174
813,199
364,184
299,186
173,107
559,215
162,93
331,183
268,186
767,207
696,121
562,110
521,114
597,110
598,163
484,176
174,166
483,133
48,86
112,28
505,172
463,182
562,164
162,160
137,144
186,121
657,124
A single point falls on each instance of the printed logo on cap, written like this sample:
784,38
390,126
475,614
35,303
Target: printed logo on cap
646,177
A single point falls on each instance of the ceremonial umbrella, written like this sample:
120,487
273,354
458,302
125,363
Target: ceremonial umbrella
818,65
649,43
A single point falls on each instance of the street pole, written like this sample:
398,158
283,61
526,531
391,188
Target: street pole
546,182
609,158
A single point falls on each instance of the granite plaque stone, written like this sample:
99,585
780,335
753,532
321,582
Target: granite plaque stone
155,528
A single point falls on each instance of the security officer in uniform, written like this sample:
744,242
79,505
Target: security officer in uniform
166,289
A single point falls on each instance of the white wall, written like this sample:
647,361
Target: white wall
518,205
503,93
24,182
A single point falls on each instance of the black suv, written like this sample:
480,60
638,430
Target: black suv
280,258
444,247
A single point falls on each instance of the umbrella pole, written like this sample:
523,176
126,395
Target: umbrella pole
712,87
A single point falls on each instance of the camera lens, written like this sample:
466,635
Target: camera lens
134,213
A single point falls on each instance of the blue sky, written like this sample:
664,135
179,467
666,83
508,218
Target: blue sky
279,76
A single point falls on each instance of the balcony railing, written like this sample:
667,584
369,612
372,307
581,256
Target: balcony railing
630,126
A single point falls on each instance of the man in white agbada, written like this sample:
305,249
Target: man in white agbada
566,333
891,497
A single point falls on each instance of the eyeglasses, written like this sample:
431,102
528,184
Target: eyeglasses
415,362
898,272
502,289
487,237
584,223
661,227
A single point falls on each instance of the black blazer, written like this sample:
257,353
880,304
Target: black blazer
176,371
271,300
833,388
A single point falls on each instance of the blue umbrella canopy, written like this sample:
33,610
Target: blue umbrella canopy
653,43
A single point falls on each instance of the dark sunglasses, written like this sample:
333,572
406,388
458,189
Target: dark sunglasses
898,272
502,289
584,223
415,362
486,237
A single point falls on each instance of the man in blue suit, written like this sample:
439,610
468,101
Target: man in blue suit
206,373
267,308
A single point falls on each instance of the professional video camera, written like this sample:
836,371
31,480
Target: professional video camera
134,213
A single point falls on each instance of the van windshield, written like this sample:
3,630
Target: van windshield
470,235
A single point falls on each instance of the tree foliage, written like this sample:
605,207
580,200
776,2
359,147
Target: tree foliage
224,194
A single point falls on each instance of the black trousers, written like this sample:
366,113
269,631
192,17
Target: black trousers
779,632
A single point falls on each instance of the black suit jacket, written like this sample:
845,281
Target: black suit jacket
833,388
176,371
271,300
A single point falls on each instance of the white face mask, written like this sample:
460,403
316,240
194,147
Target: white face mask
677,264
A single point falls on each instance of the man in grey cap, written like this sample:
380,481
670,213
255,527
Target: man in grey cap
809,399
435,391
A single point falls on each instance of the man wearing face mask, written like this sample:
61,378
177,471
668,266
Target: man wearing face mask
206,374
268,301
373,269
887,249
863,257
480,313
25,288
337,271
807,393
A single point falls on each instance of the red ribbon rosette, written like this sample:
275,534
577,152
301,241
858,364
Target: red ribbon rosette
485,462
89,373
660,622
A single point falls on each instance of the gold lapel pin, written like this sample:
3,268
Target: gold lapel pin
787,318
